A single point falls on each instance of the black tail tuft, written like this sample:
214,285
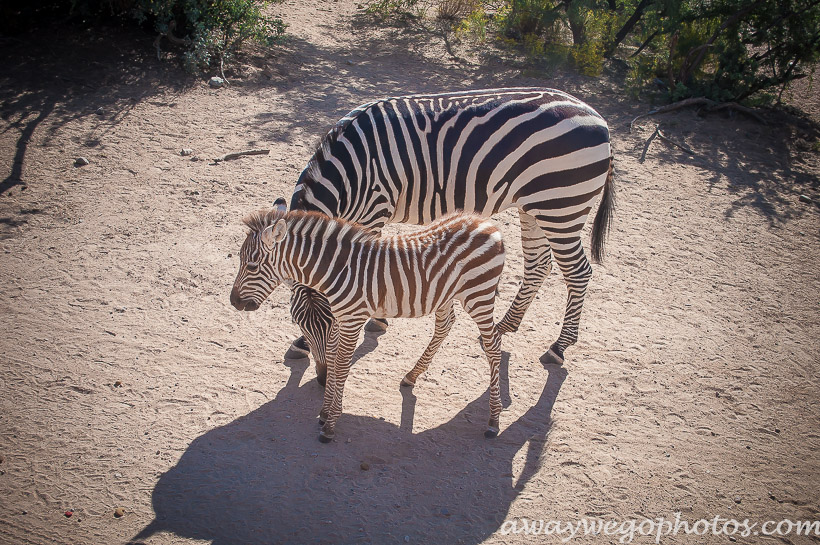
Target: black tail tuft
603,219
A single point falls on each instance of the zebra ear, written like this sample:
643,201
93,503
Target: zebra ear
280,229
267,237
273,234
280,205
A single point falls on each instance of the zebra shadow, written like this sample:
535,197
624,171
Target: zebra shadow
264,478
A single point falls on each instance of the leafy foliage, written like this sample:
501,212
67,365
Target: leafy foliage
209,30
725,50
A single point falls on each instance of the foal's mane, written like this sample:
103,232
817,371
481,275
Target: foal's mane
301,222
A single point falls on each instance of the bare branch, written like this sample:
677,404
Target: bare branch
237,154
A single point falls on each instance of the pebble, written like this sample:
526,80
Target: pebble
407,539
118,384
185,152
100,111
365,466
69,513
805,198
349,440
216,82
80,162
737,499
119,512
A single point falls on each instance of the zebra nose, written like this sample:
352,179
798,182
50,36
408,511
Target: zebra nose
242,304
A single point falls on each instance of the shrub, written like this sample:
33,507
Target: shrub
209,30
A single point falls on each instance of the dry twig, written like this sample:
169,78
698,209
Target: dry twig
710,105
657,133
237,154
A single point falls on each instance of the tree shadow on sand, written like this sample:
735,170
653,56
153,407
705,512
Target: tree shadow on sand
264,478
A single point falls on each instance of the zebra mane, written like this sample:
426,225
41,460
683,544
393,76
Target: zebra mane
304,223
259,220
312,172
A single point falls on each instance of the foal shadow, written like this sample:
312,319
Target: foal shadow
264,478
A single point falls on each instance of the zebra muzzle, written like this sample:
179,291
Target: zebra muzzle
242,304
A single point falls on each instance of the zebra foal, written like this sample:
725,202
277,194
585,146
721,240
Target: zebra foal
456,258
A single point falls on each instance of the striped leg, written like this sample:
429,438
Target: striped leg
311,312
537,266
348,335
570,257
481,311
445,316
330,385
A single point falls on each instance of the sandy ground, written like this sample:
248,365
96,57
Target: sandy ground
127,379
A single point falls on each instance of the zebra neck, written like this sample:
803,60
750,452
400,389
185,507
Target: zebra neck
322,254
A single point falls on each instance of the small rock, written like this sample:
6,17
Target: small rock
349,440
185,152
777,430
445,512
737,499
119,512
365,466
80,162
349,63
118,384
732,539
69,513
195,158
118,475
216,82
407,539
805,198
100,111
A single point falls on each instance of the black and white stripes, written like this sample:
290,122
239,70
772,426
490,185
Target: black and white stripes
413,159
459,257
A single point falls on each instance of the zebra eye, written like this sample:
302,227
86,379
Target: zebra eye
252,267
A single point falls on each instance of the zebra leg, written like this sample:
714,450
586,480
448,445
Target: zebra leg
348,337
311,312
331,349
537,266
570,257
445,316
481,311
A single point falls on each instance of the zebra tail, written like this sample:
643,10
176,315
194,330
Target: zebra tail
603,219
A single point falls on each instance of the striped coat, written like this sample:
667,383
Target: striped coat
459,257
413,159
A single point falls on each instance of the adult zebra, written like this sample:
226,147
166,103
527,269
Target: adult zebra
412,159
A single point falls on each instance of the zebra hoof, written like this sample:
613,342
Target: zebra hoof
406,383
491,432
298,349
376,325
553,356
325,437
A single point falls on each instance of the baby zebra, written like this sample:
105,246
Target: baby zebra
457,258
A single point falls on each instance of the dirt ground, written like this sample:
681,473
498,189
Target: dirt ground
127,379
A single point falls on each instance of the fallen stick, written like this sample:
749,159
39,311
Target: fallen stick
657,133
238,154
711,106
672,142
